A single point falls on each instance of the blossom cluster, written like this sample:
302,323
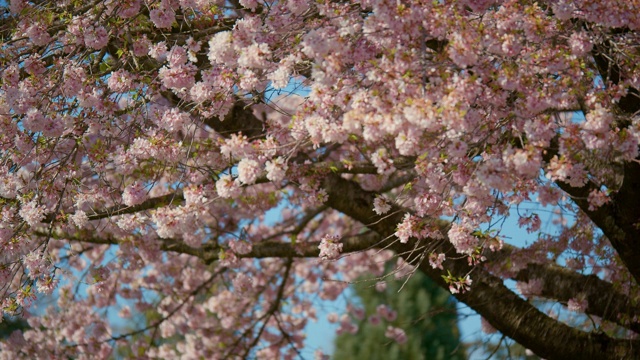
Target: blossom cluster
330,247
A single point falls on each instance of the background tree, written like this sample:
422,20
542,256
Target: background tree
143,142
8,326
426,312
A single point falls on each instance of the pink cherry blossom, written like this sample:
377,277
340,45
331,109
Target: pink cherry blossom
330,247
221,49
242,284
248,171
32,213
461,239
162,18
435,260
276,169
380,206
396,334
80,218
134,194
240,247
386,313
227,187
38,34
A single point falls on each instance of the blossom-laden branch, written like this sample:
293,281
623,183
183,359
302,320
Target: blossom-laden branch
617,218
272,311
559,284
517,318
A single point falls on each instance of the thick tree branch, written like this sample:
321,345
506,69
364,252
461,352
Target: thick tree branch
209,254
89,237
561,284
488,295
603,299
149,204
619,220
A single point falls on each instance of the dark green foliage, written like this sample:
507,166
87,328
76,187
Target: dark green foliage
11,324
425,312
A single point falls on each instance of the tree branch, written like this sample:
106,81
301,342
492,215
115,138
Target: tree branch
603,299
488,295
559,284
619,220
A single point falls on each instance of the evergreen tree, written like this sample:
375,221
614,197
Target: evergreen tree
11,324
426,313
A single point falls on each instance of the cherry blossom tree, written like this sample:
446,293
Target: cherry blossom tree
144,142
